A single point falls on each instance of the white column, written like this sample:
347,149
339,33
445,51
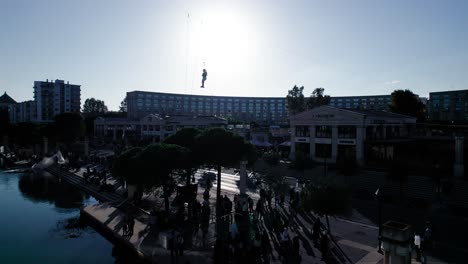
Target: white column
312,142
292,151
458,167
360,136
334,140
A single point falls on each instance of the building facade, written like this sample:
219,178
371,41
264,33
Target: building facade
448,106
326,132
152,126
23,112
265,110
54,98
6,103
371,102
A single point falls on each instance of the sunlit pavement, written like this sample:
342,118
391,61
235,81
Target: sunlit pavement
357,239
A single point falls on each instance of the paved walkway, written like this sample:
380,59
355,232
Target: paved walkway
147,243
357,240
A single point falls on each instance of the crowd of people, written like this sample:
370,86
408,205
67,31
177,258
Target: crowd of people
245,233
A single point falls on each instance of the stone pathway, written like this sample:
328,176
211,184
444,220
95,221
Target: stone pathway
151,246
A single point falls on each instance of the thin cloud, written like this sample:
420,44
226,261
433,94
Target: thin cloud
393,82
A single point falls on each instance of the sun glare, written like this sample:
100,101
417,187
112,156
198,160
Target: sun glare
223,43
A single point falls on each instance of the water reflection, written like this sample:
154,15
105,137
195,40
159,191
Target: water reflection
47,188
65,199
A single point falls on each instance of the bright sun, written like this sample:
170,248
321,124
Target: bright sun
222,43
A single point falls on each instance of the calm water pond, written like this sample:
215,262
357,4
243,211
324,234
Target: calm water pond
39,223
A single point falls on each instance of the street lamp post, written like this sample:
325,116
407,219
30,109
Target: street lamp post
378,196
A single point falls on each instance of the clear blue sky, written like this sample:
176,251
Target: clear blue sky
250,48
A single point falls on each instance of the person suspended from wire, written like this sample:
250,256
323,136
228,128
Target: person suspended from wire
204,74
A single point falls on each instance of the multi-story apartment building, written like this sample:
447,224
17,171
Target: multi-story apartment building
53,98
448,106
371,102
265,110
23,112
50,99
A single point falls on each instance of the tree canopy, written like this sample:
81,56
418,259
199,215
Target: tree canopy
187,138
296,100
219,147
317,98
125,166
94,106
406,102
123,105
298,103
156,164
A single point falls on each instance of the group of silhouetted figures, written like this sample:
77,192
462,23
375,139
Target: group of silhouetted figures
246,235
247,231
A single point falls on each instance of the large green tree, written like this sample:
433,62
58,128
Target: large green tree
318,98
406,102
94,106
326,199
295,99
187,138
157,165
124,166
218,147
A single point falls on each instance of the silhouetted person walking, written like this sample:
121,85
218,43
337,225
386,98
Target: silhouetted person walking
316,230
131,224
296,249
172,246
324,246
180,244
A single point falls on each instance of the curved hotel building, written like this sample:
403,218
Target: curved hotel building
264,110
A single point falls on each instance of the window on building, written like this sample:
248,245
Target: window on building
302,131
323,131
346,132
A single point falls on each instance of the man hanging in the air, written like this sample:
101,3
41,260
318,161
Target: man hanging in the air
204,74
